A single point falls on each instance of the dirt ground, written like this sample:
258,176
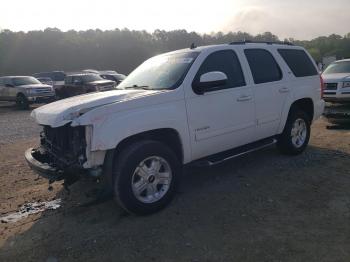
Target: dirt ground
260,207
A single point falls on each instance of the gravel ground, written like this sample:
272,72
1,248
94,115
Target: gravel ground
260,207
16,124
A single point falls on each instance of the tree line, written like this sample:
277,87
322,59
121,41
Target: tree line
122,50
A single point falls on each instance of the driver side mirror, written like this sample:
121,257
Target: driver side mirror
209,81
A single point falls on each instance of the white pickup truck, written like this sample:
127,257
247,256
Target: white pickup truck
201,105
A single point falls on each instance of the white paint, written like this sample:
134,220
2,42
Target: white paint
213,76
206,124
63,111
30,209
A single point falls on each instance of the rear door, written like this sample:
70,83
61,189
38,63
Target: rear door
270,90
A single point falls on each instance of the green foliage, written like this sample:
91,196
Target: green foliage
122,50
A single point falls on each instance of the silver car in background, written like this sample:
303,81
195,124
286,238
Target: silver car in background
336,79
25,90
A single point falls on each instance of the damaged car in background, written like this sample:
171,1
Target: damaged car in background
201,106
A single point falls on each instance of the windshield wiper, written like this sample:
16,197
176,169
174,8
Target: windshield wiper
137,87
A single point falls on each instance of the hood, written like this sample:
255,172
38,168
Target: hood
35,86
64,111
336,77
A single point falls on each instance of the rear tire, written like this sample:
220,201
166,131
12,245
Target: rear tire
296,133
22,102
145,177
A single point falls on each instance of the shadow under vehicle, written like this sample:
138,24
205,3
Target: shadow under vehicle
338,115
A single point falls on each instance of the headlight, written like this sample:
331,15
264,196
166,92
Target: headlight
346,84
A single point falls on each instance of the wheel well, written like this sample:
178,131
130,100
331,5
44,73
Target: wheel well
168,136
20,94
306,105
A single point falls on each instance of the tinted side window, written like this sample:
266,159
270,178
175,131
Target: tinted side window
80,79
1,82
58,76
68,80
225,61
74,78
7,81
263,66
299,62
108,77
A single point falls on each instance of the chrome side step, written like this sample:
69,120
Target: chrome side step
227,155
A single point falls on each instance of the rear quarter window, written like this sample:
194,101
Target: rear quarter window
299,62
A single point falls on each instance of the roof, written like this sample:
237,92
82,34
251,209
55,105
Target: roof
245,43
13,76
343,60
80,74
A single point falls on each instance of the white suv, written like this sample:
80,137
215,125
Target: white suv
337,81
200,105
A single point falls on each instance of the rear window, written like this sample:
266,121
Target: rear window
263,66
299,62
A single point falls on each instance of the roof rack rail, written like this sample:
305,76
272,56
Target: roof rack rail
261,42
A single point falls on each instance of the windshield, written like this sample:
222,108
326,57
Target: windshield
160,72
338,67
91,78
26,80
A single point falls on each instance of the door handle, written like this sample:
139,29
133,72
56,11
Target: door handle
284,90
244,98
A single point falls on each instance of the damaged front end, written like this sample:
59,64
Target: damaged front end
61,154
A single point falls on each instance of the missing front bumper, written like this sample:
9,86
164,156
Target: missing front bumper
36,162
39,163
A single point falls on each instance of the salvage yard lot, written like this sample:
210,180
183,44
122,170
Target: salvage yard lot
260,207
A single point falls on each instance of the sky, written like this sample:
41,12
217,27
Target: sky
299,19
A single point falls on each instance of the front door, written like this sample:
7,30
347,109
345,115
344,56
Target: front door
223,117
5,90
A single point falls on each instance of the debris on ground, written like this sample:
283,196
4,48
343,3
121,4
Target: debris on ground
30,209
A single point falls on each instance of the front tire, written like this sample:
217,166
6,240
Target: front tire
22,102
296,133
145,177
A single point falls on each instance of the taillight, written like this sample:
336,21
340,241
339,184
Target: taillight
322,86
